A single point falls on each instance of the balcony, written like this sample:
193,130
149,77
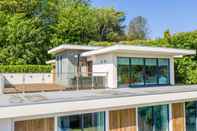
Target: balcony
45,82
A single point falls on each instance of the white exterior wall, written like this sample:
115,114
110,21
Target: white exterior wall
105,64
6,125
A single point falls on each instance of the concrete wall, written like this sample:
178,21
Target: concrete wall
27,78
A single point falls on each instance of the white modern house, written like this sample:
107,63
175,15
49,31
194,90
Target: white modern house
115,88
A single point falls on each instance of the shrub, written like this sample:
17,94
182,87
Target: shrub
25,68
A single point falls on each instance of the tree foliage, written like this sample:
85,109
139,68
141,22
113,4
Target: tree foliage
138,28
28,28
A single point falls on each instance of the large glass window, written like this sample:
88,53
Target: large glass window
153,118
191,116
137,71
163,71
151,71
123,72
142,71
84,122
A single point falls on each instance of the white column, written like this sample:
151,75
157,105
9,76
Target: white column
106,120
55,123
172,79
170,118
136,115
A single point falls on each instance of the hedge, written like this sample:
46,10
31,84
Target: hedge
25,68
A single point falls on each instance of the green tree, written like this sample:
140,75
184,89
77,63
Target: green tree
138,28
109,24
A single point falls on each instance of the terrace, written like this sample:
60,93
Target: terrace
46,82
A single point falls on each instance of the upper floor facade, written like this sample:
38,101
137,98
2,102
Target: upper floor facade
117,66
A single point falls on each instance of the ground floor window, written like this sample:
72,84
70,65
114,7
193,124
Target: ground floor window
191,116
153,118
84,122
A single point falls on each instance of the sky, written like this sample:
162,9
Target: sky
175,15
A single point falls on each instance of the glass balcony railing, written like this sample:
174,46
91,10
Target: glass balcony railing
79,81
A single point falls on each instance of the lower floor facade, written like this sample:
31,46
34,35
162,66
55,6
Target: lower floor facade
167,117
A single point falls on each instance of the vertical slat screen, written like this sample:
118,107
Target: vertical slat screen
122,120
178,118
35,125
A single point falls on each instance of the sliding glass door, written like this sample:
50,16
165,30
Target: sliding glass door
153,118
134,72
191,116
123,72
84,122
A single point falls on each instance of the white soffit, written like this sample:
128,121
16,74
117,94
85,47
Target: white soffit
72,47
141,50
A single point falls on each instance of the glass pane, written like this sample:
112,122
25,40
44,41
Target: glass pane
163,71
75,123
123,72
88,122
145,119
137,74
190,109
99,121
161,118
151,71
69,123
63,124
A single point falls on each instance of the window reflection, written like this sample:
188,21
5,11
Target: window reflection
153,118
151,71
142,71
123,72
163,71
84,122
191,110
137,71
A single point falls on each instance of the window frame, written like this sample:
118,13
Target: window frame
144,71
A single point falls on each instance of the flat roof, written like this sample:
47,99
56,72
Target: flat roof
140,50
47,103
72,47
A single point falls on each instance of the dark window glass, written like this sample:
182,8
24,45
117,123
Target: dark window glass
161,118
137,71
142,71
151,71
163,65
153,118
190,110
88,122
145,119
75,123
123,72
84,122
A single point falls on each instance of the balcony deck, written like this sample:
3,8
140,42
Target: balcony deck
30,88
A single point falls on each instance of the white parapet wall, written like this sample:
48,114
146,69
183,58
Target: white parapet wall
26,78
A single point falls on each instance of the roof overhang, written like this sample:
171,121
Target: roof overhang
123,98
141,50
50,62
72,47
